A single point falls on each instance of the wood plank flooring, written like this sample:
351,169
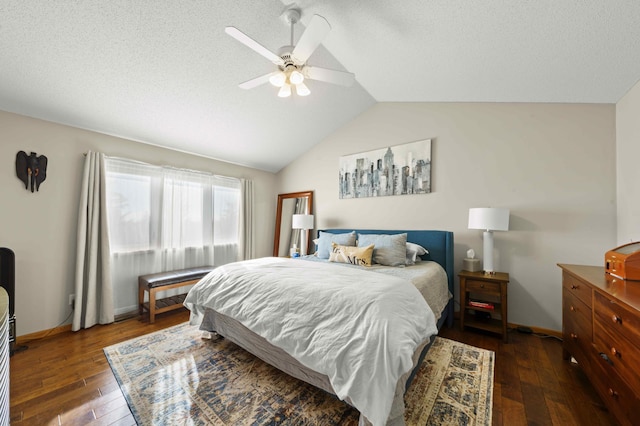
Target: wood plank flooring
66,379
533,385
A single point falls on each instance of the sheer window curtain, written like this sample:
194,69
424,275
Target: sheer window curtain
163,219
93,287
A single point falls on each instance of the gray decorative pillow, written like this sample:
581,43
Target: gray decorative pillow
389,250
326,238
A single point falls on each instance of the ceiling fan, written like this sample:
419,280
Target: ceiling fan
292,60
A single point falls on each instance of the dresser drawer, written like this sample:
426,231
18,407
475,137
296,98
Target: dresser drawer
619,398
577,327
623,356
578,288
485,287
621,320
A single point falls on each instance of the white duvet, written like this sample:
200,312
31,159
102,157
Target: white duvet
357,327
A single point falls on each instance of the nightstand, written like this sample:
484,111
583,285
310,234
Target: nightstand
483,301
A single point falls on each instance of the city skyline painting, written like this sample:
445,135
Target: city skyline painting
395,170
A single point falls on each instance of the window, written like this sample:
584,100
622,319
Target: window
161,219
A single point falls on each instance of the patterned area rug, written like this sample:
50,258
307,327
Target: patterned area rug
174,376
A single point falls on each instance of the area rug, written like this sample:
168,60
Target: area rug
175,377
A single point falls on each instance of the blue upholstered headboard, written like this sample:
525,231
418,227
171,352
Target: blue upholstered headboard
438,243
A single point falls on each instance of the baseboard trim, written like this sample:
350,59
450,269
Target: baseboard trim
21,340
538,330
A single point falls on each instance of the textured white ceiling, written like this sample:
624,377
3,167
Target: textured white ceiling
165,73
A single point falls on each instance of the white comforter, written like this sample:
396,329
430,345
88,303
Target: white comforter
357,327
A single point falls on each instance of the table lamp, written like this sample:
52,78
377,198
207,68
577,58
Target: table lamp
303,222
488,219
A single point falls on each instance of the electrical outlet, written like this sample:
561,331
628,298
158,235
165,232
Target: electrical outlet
72,300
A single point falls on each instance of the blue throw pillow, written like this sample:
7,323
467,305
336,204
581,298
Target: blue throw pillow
326,238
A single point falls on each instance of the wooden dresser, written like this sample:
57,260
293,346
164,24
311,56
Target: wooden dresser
601,331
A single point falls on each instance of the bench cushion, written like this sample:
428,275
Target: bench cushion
171,277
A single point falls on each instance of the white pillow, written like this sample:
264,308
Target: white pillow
414,251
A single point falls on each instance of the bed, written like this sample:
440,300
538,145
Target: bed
364,351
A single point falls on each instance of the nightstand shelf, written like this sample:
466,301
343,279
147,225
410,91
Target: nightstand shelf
491,289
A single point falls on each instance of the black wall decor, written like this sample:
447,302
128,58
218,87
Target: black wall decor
31,169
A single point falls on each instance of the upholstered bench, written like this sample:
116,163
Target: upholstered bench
162,281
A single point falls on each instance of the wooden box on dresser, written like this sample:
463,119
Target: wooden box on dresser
601,331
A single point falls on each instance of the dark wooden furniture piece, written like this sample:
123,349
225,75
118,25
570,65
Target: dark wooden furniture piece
153,283
484,288
601,331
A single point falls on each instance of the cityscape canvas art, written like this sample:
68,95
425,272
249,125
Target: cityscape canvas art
395,170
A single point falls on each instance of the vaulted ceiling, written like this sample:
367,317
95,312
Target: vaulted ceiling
166,73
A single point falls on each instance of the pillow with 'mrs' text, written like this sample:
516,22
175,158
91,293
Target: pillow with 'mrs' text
360,256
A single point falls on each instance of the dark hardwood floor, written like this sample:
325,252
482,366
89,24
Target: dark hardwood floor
66,380
533,385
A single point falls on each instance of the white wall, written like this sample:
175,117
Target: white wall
627,169
41,227
553,165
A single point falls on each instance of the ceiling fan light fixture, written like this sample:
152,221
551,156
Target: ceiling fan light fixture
285,91
291,60
278,79
296,77
302,89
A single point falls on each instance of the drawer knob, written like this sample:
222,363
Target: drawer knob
574,287
612,393
481,285
615,352
572,308
616,319
574,336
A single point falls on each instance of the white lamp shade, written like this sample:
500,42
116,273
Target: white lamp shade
302,89
278,79
285,91
302,221
296,77
489,219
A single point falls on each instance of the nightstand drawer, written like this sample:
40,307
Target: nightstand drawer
485,287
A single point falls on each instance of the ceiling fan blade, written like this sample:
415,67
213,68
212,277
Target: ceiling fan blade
253,45
342,78
312,37
255,82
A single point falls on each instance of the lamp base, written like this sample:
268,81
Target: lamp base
489,272
303,242
487,252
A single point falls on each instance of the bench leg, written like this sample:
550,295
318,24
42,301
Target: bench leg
140,299
152,305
